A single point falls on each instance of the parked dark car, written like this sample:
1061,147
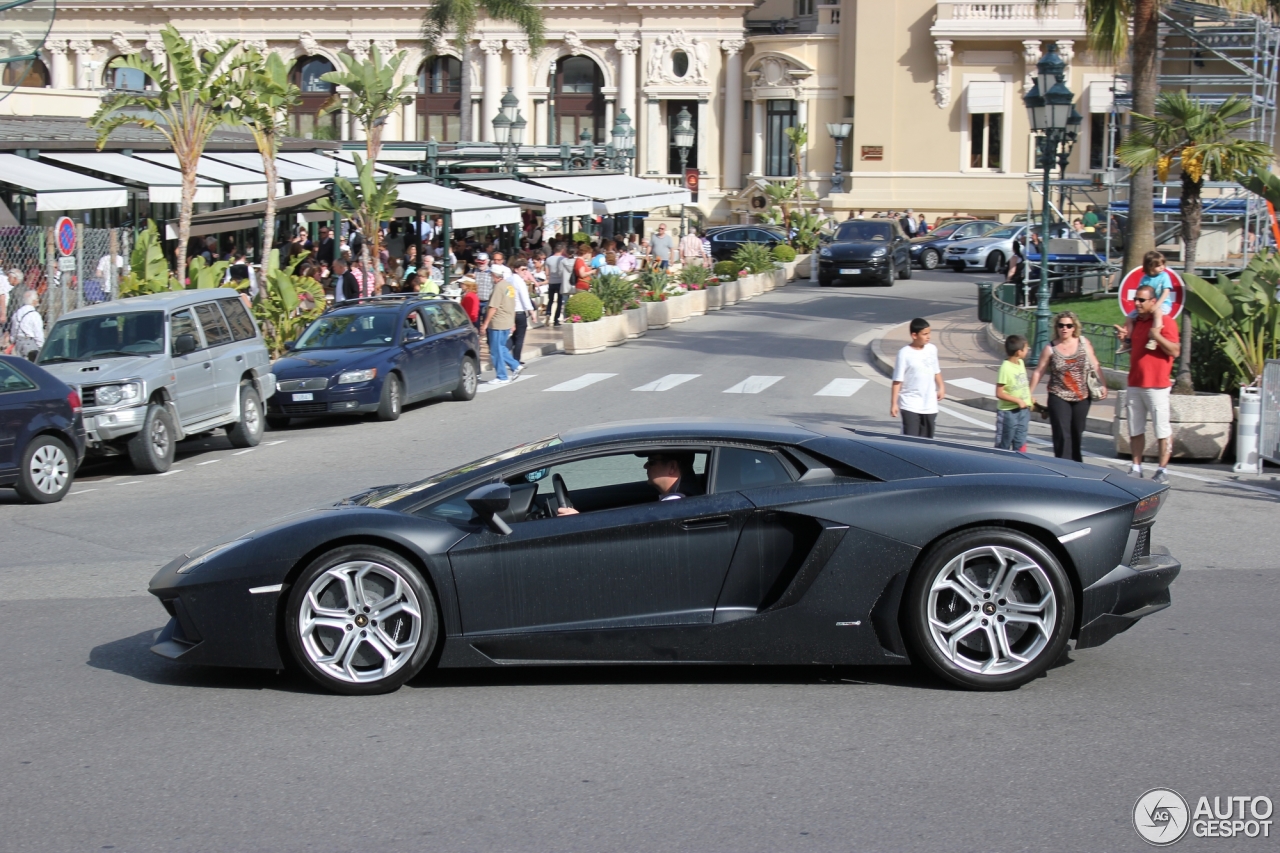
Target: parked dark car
928,251
725,239
376,355
42,436
791,544
863,249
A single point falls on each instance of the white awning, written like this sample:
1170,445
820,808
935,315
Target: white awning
557,204
618,193
59,189
241,184
300,179
164,186
379,166
467,209
985,96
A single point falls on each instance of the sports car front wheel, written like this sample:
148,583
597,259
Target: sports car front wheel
989,609
360,620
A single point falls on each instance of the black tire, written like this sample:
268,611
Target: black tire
468,380
389,582
152,448
247,432
929,259
1002,609
277,422
392,399
995,261
904,273
48,470
890,276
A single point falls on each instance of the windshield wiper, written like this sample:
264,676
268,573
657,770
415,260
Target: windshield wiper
59,359
115,353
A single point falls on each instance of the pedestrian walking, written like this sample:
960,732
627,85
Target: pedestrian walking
27,327
499,320
484,281
663,247
558,267
1013,411
1150,368
691,248
917,383
521,279
1068,361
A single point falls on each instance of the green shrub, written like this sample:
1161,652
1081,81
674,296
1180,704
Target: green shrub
694,274
654,279
754,257
729,268
614,291
784,253
581,237
585,305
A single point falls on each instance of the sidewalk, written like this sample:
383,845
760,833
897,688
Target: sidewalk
970,357
539,341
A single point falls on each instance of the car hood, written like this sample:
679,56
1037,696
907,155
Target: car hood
322,362
856,248
107,369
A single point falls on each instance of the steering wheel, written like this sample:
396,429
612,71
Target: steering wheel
562,492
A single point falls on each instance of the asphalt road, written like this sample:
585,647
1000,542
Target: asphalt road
105,746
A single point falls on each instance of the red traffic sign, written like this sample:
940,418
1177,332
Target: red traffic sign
65,236
1129,289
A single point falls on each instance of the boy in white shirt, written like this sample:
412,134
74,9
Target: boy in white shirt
917,383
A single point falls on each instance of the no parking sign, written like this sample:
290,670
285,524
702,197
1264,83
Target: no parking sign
65,236
1133,278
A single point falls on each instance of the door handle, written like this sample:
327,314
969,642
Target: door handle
708,523
208,365
239,358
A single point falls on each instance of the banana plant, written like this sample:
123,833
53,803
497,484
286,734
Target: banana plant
203,275
369,202
1243,314
148,269
286,303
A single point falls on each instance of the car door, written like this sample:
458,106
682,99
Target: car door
446,343
221,352
421,373
194,385
19,402
586,586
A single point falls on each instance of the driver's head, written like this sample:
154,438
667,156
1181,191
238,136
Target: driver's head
664,469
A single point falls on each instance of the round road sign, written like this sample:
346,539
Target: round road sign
1129,287
65,232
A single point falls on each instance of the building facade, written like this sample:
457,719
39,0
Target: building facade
932,88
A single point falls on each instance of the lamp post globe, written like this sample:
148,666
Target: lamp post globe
501,129
510,104
517,130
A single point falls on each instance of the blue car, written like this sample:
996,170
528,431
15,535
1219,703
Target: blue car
376,355
42,435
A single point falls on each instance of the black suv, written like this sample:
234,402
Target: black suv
725,239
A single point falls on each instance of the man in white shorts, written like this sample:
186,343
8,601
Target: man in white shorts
1152,352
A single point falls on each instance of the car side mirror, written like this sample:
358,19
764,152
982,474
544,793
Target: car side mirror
289,345
413,336
489,500
184,344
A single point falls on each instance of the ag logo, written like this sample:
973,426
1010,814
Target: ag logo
1161,816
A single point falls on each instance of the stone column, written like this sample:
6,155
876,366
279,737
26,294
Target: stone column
608,121
344,120
539,125
757,138
731,162
409,124
491,102
84,55
654,149
705,154
627,48
59,72
802,120
520,81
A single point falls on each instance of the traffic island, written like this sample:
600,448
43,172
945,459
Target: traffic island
1201,425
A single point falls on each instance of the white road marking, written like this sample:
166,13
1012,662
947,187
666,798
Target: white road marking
210,462
581,382
752,385
82,491
966,418
243,452
129,483
667,382
485,387
172,471
985,388
841,388
274,443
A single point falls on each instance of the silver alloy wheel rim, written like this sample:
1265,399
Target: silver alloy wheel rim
930,260
992,610
159,437
252,417
360,622
50,469
468,376
395,395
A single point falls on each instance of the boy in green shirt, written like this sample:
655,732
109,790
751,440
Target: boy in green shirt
1013,415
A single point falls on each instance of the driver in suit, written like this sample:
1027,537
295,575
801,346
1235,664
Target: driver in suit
666,473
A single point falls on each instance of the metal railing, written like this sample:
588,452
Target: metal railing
1008,319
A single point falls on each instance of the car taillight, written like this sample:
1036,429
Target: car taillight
73,399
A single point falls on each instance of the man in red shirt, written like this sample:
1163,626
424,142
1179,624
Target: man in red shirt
1152,351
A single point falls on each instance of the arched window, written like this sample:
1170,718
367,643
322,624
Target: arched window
438,104
305,120
579,104
125,79
32,74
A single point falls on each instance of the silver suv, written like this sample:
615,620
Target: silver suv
155,369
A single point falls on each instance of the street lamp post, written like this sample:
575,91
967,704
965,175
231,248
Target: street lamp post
1050,111
682,136
508,130
839,131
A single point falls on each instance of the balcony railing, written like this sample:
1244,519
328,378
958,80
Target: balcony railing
1009,17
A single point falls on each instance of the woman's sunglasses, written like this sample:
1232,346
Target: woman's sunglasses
1066,325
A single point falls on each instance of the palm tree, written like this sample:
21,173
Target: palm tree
1202,138
375,94
368,202
189,99
264,99
460,16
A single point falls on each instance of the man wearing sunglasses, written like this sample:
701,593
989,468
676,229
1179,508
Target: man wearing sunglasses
1153,347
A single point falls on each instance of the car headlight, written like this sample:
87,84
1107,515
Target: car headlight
350,377
111,395
200,559
824,252
977,250
879,253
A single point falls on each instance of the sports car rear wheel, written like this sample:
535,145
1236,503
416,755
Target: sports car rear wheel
989,609
360,620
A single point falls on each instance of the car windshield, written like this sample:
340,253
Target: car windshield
354,329
1004,233
104,336
390,495
861,230
945,230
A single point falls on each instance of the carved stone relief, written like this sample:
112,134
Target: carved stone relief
661,69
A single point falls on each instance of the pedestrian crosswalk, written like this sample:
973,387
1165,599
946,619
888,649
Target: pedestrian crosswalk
838,387
753,384
667,382
841,388
581,382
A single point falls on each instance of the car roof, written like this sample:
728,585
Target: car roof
716,229
383,302
697,429
155,302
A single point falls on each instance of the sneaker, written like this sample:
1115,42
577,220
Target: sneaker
1135,472
1161,476
498,382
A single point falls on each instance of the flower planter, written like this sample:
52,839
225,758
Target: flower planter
582,338
748,288
697,302
768,281
732,292
657,315
679,307
789,270
715,297
1201,426
615,329
636,325
780,277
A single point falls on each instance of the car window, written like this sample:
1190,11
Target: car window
238,319
216,331
738,235
437,319
973,229
12,380
764,237
743,468
413,323
457,317
863,230
104,336
1004,233
333,331
183,323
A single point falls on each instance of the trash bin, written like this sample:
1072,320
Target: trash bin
984,301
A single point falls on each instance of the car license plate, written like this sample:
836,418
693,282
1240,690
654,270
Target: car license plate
302,398
850,272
